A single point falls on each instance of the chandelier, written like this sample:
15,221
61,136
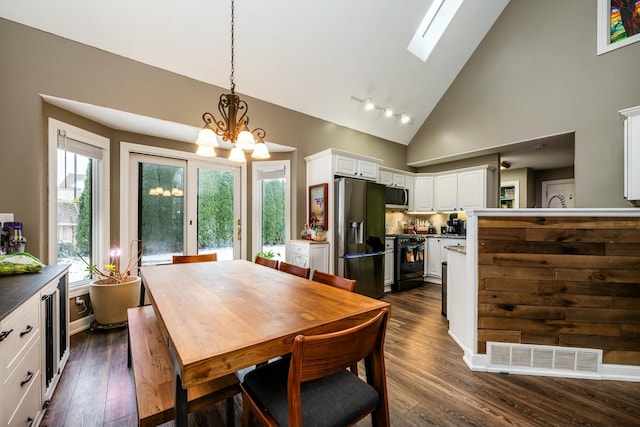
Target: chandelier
234,125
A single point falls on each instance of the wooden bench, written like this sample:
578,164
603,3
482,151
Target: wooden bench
153,374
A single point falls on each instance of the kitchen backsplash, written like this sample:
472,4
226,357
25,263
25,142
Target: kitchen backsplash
398,222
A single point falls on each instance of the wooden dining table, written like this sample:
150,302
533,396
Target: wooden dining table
220,317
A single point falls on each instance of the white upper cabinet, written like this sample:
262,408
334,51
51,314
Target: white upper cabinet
631,118
472,189
410,185
386,178
392,179
463,190
399,180
355,167
445,192
423,194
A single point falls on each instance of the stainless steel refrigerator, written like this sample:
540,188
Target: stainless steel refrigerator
359,234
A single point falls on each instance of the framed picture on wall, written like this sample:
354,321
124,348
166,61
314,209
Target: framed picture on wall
318,205
618,24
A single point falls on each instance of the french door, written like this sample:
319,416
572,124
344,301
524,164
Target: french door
183,207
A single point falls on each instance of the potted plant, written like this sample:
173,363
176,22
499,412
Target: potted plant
115,289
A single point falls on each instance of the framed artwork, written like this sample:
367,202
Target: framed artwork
618,24
318,205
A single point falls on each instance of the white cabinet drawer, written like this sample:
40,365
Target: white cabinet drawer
23,377
18,330
29,412
300,249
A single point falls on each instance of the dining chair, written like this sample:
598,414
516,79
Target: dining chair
274,394
333,280
338,282
273,263
182,259
294,269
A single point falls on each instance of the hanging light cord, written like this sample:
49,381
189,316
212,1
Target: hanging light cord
233,85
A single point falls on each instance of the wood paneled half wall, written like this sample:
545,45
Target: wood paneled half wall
561,281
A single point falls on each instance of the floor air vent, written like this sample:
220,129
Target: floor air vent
540,359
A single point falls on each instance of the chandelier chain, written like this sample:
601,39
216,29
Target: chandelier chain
233,85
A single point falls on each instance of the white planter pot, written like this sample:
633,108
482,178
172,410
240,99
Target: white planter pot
111,301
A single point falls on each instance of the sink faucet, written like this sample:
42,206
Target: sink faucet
558,196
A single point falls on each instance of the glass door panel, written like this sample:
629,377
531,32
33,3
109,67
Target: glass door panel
273,217
161,207
217,219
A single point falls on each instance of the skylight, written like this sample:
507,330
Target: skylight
433,26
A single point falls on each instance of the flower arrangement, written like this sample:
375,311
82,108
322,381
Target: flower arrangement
111,272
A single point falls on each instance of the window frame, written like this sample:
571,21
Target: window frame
128,196
256,212
100,195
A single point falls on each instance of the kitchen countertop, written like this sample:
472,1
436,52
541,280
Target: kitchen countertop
447,236
18,288
460,249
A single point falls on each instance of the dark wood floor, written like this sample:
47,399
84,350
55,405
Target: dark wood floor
429,384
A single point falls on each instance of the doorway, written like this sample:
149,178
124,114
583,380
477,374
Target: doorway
558,193
182,207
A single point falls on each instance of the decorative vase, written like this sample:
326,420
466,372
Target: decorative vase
110,301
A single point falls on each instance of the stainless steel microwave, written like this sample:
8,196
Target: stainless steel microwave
397,198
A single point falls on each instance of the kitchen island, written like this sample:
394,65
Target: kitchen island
549,292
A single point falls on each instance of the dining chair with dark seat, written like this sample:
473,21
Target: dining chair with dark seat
337,282
333,280
316,377
273,263
183,259
294,269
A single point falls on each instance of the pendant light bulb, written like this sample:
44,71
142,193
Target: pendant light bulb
260,151
237,155
245,140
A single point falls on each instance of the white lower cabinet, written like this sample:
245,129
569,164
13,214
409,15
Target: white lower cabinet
34,344
307,253
21,358
436,254
389,262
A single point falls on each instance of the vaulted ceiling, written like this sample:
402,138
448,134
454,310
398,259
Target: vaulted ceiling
314,57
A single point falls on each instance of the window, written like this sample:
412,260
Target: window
271,208
78,202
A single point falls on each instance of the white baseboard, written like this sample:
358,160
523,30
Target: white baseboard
81,324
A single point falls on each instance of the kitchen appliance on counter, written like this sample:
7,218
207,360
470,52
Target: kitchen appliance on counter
409,261
455,225
360,233
11,238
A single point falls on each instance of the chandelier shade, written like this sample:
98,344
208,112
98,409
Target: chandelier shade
233,126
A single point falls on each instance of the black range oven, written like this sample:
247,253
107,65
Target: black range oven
409,261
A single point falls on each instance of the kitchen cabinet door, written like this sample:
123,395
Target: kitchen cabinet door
368,170
386,178
434,257
423,194
349,166
410,186
445,189
472,189
399,180
631,117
